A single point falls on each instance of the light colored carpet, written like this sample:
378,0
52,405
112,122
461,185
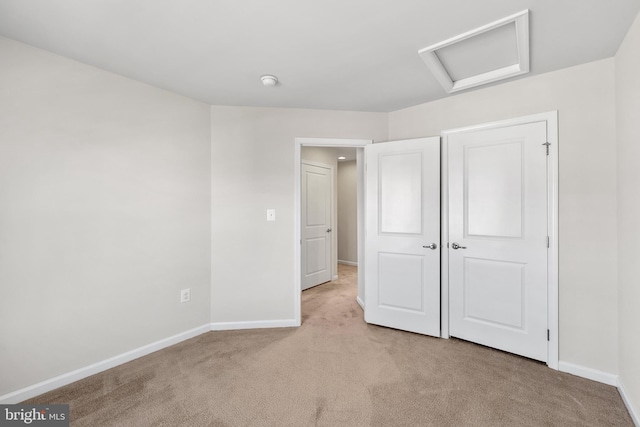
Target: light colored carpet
335,370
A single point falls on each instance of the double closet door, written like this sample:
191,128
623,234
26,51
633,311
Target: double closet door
496,239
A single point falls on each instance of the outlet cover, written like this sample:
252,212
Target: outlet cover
271,214
185,295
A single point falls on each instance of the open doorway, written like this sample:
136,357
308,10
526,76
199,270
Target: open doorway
314,145
329,220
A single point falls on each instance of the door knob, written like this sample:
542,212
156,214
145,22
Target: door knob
454,245
432,246
328,230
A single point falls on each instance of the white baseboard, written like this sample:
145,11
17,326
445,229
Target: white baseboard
635,415
355,264
360,303
588,373
336,277
73,376
259,324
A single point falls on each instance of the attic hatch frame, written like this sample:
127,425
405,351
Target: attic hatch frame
431,59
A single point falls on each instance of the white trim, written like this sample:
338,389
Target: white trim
553,306
360,192
254,324
635,415
360,303
318,164
444,237
551,118
588,373
95,368
430,57
355,264
317,142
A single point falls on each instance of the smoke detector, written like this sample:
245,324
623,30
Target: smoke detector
269,80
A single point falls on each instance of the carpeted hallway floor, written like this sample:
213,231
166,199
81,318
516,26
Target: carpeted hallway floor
335,370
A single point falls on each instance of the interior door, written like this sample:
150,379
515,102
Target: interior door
316,225
402,220
498,238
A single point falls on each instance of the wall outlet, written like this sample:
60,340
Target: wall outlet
185,295
271,214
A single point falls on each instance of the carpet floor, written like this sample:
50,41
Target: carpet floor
335,370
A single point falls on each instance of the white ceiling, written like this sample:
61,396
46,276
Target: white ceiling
329,54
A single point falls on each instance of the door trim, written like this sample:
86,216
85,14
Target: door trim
551,118
297,235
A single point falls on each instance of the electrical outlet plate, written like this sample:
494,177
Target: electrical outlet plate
271,214
185,295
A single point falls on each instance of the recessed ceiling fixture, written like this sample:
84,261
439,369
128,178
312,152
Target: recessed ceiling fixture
342,158
269,80
493,52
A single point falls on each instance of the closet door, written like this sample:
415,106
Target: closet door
402,220
498,238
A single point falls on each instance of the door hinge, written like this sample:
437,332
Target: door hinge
547,144
548,242
548,335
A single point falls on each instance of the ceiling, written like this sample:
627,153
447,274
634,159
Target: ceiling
331,54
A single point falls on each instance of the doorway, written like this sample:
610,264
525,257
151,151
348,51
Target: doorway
359,145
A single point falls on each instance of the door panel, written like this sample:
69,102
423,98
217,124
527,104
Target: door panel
400,193
316,225
499,301
498,222
402,220
400,280
493,176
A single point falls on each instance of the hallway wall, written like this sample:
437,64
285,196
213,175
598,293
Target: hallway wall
347,212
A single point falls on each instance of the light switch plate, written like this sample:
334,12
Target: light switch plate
271,214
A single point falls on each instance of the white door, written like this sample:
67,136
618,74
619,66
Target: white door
402,220
316,225
498,238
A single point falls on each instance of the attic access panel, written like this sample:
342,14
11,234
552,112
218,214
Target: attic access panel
493,52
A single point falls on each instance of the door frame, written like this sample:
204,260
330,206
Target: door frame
297,235
551,118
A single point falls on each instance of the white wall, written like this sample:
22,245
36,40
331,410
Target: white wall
253,169
347,212
104,215
327,156
108,188
584,96
628,133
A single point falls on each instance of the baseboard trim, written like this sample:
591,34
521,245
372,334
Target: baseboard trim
360,303
588,373
355,264
78,374
258,324
635,415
